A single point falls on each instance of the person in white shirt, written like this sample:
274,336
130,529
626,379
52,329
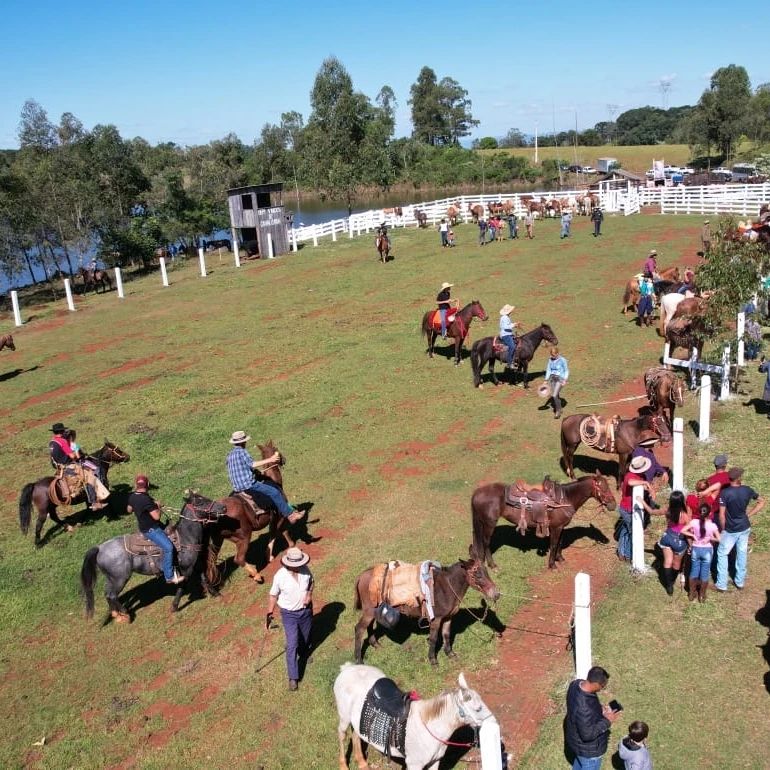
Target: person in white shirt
292,591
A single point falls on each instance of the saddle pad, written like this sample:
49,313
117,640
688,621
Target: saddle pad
436,322
402,584
138,545
381,728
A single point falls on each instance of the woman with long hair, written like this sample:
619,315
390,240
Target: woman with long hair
673,544
704,533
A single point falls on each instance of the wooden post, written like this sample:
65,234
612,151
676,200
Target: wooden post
68,292
741,331
489,745
270,248
202,260
163,271
236,248
119,283
582,624
637,531
16,312
315,236
678,460
704,419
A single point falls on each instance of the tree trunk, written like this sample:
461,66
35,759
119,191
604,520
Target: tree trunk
29,265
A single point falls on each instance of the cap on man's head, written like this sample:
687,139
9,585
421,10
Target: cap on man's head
141,482
735,473
720,461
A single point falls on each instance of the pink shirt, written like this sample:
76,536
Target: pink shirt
703,542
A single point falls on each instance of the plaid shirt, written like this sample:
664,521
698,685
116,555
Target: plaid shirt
239,469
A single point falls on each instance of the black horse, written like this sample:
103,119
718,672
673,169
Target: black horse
484,352
117,562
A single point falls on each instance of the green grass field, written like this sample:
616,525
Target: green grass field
321,352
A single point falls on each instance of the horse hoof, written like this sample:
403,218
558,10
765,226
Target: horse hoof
433,661
122,617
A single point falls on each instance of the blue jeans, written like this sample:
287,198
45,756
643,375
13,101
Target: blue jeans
729,541
700,568
565,231
160,538
587,763
510,343
296,626
444,240
512,230
442,312
274,495
624,533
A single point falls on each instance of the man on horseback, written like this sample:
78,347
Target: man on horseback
506,335
147,514
240,469
67,460
444,304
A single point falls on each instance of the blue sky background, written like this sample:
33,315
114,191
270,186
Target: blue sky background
193,71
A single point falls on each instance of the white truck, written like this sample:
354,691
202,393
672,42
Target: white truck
605,165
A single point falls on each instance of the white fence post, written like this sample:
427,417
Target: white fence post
202,260
68,292
678,460
16,312
489,745
724,390
334,233
119,283
236,247
582,624
293,240
270,248
637,530
741,331
704,418
350,227
315,236
163,271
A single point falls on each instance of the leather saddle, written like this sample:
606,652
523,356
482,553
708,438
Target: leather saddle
534,506
254,509
384,715
138,545
68,483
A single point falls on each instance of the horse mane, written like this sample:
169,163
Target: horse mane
436,707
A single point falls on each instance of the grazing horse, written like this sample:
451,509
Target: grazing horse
6,341
457,329
449,587
120,556
421,217
428,726
627,436
495,207
485,352
691,307
476,210
665,390
382,242
631,294
453,213
38,492
239,521
93,279
488,505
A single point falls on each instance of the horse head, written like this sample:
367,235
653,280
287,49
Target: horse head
600,490
659,425
269,449
477,576
471,709
200,509
477,311
112,453
548,334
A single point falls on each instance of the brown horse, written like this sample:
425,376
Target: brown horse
665,390
631,294
457,330
449,587
239,521
453,213
421,217
476,210
93,279
488,505
6,341
628,435
686,333
691,307
382,243
38,493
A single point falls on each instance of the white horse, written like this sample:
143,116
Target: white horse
428,728
668,306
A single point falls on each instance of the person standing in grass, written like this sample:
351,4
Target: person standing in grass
764,368
645,306
529,223
672,544
482,230
633,748
443,229
736,527
597,217
753,337
556,374
703,532
634,477
513,228
566,223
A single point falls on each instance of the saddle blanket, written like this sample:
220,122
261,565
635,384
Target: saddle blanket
436,320
384,716
397,583
138,545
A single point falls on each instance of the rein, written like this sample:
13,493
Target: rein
460,599
453,743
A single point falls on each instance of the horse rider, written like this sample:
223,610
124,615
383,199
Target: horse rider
382,231
240,469
147,514
445,303
506,335
689,282
556,374
67,460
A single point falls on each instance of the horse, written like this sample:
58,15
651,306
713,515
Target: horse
668,305
382,243
628,434
691,307
687,333
428,727
449,587
421,217
631,295
453,213
117,563
488,505
457,329
484,352
239,521
665,390
94,279
476,210
495,207
6,341
38,492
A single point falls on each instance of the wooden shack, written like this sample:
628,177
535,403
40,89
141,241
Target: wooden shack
255,211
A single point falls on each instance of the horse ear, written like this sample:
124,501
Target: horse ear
186,494
461,681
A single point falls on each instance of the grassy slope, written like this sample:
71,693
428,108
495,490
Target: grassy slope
321,352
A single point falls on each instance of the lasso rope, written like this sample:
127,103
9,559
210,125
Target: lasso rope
617,401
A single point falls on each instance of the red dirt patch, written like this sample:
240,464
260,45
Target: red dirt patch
356,495
355,468
492,427
153,656
136,384
129,365
49,395
220,633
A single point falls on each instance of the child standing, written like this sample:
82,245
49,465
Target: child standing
703,532
633,748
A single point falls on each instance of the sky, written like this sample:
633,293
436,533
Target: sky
189,72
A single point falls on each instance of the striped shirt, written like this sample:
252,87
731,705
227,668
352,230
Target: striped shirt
240,469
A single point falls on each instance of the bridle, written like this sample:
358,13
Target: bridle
117,456
598,493
465,716
208,511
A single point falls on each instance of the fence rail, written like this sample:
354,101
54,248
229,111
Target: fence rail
742,199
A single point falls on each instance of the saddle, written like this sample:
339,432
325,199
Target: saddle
500,349
254,509
535,506
137,544
384,714
599,432
436,320
68,484
398,584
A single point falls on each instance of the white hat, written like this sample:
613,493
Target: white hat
653,253
505,309
239,437
294,557
640,464
446,285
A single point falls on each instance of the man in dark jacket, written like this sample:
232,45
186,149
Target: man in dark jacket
587,724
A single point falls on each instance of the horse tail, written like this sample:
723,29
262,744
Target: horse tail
627,295
426,324
212,551
25,507
357,598
88,579
477,548
476,363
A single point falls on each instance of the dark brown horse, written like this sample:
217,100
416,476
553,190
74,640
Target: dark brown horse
488,505
6,341
38,493
239,522
421,217
628,435
449,587
483,352
686,333
93,279
382,243
665,391
457,330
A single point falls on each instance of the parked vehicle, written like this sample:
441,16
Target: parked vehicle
723,173
743,172
575,169
589,170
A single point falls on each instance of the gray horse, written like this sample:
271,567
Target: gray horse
117,564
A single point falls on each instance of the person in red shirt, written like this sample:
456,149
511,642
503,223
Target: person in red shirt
704,493
721,477
634,477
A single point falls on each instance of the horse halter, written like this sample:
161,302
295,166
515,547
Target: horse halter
598,493
210,515
118,455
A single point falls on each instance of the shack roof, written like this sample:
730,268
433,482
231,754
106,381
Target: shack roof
257,188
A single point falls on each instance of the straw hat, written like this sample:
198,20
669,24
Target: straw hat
239,437
294,557
639,464
705,221
653,253
544,390
446,285
505,309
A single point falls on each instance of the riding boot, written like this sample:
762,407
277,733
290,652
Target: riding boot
703,590
669,576
694,589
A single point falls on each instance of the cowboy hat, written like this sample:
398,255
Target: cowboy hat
239,437
705,221
294,557
505,309
446,285
639,464
58,427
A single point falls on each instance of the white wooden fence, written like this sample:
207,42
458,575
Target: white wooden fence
744,199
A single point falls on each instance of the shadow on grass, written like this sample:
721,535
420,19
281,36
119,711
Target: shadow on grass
16,372
590,465
760,405
529,542
762,617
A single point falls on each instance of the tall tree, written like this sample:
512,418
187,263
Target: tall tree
427,116
456,110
